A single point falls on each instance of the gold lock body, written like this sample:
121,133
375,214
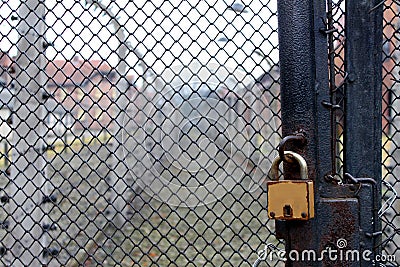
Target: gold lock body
290,199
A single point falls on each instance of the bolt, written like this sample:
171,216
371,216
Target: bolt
49,227
303,214
54,252
352,77
46,96
4,199
49,199
47,44
9,120
272,214
48,252
4,225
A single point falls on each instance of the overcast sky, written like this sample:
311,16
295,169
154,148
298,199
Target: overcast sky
167,32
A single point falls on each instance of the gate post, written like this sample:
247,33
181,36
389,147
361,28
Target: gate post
304,86
343,212
363,109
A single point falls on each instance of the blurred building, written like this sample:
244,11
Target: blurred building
391,72
5,65
83,93
80,94
5,95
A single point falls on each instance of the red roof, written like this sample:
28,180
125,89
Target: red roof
75,71
5,60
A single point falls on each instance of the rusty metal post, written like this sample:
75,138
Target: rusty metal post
304,86
363,133
363,109
343,212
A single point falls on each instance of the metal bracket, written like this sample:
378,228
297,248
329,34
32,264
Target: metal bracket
297,137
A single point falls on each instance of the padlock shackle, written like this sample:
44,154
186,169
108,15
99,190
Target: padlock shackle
274,173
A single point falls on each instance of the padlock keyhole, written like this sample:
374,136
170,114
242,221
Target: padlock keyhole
287,211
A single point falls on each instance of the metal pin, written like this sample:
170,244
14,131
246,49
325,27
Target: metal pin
4,199
4,225
328,31
49,227
9,120
47,95
373,234
50,252
329,105
49,199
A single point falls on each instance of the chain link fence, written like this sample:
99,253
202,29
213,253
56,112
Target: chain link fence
337,77
390,128
137,133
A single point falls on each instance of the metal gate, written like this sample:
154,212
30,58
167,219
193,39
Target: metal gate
140,133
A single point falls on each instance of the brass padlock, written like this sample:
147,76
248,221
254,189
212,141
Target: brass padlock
290,199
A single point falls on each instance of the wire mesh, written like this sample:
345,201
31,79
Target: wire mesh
337,78
137,133
390,126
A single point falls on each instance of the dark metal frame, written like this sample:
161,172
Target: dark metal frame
342,211
346,205
304,72
363,110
